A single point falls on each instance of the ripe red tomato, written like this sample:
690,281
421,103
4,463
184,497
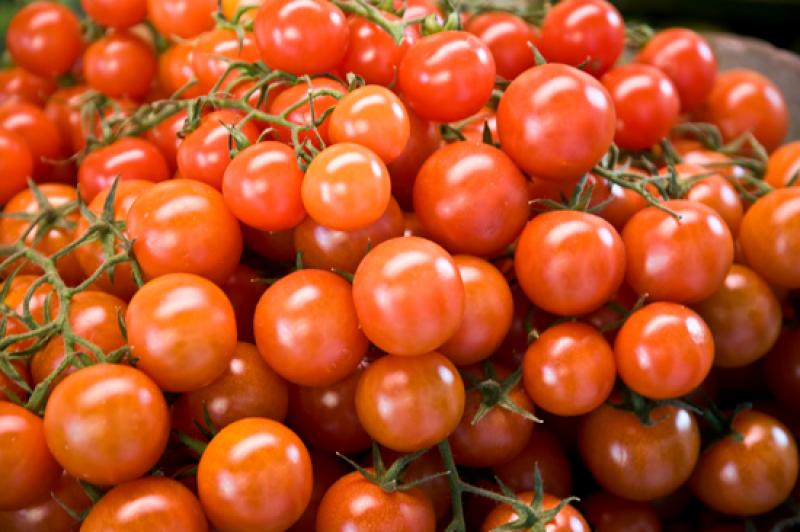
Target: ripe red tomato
289,102
355,503
215,50
783,165
410,403
745,101
684,261
307,330
623,204
569,263
165,137
372,52
447,76
44,38
636,461
471,198
770,238
39,132
545,451
27,469
301,36
16,83
166,336
567,520
46,515
569,370
194,231
182,19
425,139
646,103
556,122
715,191
750,472
16,164
107,424
115,13
609,513
687,59
145,503
509,38
120,65
408,295
578,31
63,110
175,70
255,475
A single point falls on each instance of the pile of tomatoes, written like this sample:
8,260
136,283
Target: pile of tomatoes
365,266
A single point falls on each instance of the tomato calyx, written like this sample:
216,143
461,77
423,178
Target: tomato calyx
388,479
643,407
495,393
719,424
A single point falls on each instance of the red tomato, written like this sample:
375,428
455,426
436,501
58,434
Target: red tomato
63,110
215,50
44,38
46,515
39,132
624,203
372,52
194,231
567,520
609,513
289,103
447,76
175,70
425,139
471,198
509,38
687,59
165,137
182,19
715,191
16,164
556,122
307,330
120,65
577,31
244,288
408,295
410,403
783,165
301,36
107,424
115,13
16,83
545,451
255,475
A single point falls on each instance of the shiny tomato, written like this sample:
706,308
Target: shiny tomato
609,513
194,231
684,261
296,104
623,204
545,451
509,38
425,139
255,475
471,198
372,52
63,110
307,330
215,50
408,295
16,164
44,38
410,403
567,520
447,76
783,165
16,83
181,19
120,65
39,132
46,515
115,13
107,424
713,190
782,367
165,137
175,70
556,122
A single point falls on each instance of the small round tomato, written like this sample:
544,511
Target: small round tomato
194,231
215,50
782,367
583,31
569,370
182,331
39,132
488,311
770,237
64,110
687,59
447,76
684,261
410,403
509,38
355,503
623,204
175,70
372,52
120,65
745,317
44,38
261,187
16,164
373,117
145,503
182,19
609,513
425,139
749,472
346,187
296,103
307,330
567,520
471,198
783,165
27,469
637,461
545,452
714,191
165,137
47,515
556,122
255,475
408,295
745,101
107,424
646,103
301,36
569,263
16,83
115,13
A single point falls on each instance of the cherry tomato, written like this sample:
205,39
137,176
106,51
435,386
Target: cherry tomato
301,36
447,76
623,204
175,70
120,65
637,461
567,520
715,191
609,513
182,19
165,137
307,330
18,84
583,31
355,503
509,38
151,503
194,231
46,515
39,132
410,403
44,38
255,475
244,288
568,262
215,50
745,101
684,261
783,165
545,451
16,164
289,101
63,110
770,239
408,295
471,198
107,424
556,122
782,367
115,13
750,472
687,59
424,140
372,52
